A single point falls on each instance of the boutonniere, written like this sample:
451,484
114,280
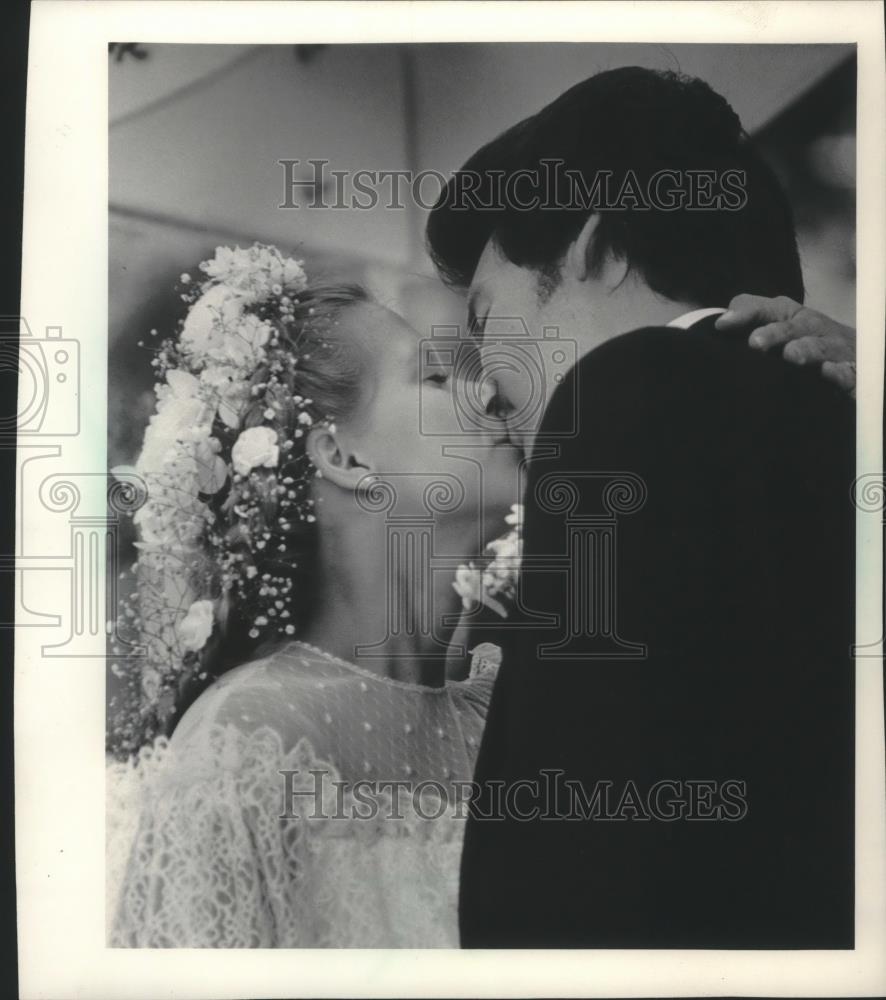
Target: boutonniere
494,585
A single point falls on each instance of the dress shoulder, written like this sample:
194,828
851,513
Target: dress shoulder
266,694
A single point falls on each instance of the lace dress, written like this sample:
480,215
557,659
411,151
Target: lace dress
301,802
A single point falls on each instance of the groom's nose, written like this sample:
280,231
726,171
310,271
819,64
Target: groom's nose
488,390
505,417
497,409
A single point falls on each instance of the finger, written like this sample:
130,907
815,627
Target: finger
805,351
837,343
842,372
756,310
772,335
825,340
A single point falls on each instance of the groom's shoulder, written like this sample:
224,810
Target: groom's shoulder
641,371
667,349
700,364
665,387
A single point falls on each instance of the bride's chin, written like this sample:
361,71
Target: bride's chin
501,482
490,517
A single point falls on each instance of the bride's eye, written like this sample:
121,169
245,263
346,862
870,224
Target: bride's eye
438,378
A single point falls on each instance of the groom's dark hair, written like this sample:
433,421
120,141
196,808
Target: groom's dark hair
628,120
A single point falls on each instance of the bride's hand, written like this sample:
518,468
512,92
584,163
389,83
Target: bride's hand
458,658
478,627
809,337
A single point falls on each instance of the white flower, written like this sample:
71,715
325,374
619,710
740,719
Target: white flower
294,276
499,577
219,328
468,584
243,343
178,413
259,270
506,548
255,446
222,263
503,571
236,268
228,390
178,461
515,518
212,471
196,627
217,311
182,384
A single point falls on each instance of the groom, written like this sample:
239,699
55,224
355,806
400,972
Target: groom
668,758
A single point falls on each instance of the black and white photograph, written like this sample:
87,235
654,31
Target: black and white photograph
478,547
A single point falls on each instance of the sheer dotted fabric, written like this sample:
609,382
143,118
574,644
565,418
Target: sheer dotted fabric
210,845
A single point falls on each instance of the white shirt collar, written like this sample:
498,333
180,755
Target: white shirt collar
688,319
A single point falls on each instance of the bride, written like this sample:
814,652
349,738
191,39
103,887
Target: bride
314,795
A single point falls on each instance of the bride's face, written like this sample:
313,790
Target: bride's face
408,425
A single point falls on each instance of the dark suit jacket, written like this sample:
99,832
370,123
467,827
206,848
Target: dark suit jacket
736,573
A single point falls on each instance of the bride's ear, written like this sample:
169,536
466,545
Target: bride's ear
333,458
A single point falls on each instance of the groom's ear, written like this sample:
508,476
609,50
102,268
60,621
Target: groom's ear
578,256
334,458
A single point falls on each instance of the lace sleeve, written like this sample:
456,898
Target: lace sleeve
213,863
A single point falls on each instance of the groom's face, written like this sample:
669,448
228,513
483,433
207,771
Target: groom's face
522,329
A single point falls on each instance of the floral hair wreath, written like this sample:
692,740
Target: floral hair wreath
216,459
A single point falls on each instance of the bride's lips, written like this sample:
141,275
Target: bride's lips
506,438
506,442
